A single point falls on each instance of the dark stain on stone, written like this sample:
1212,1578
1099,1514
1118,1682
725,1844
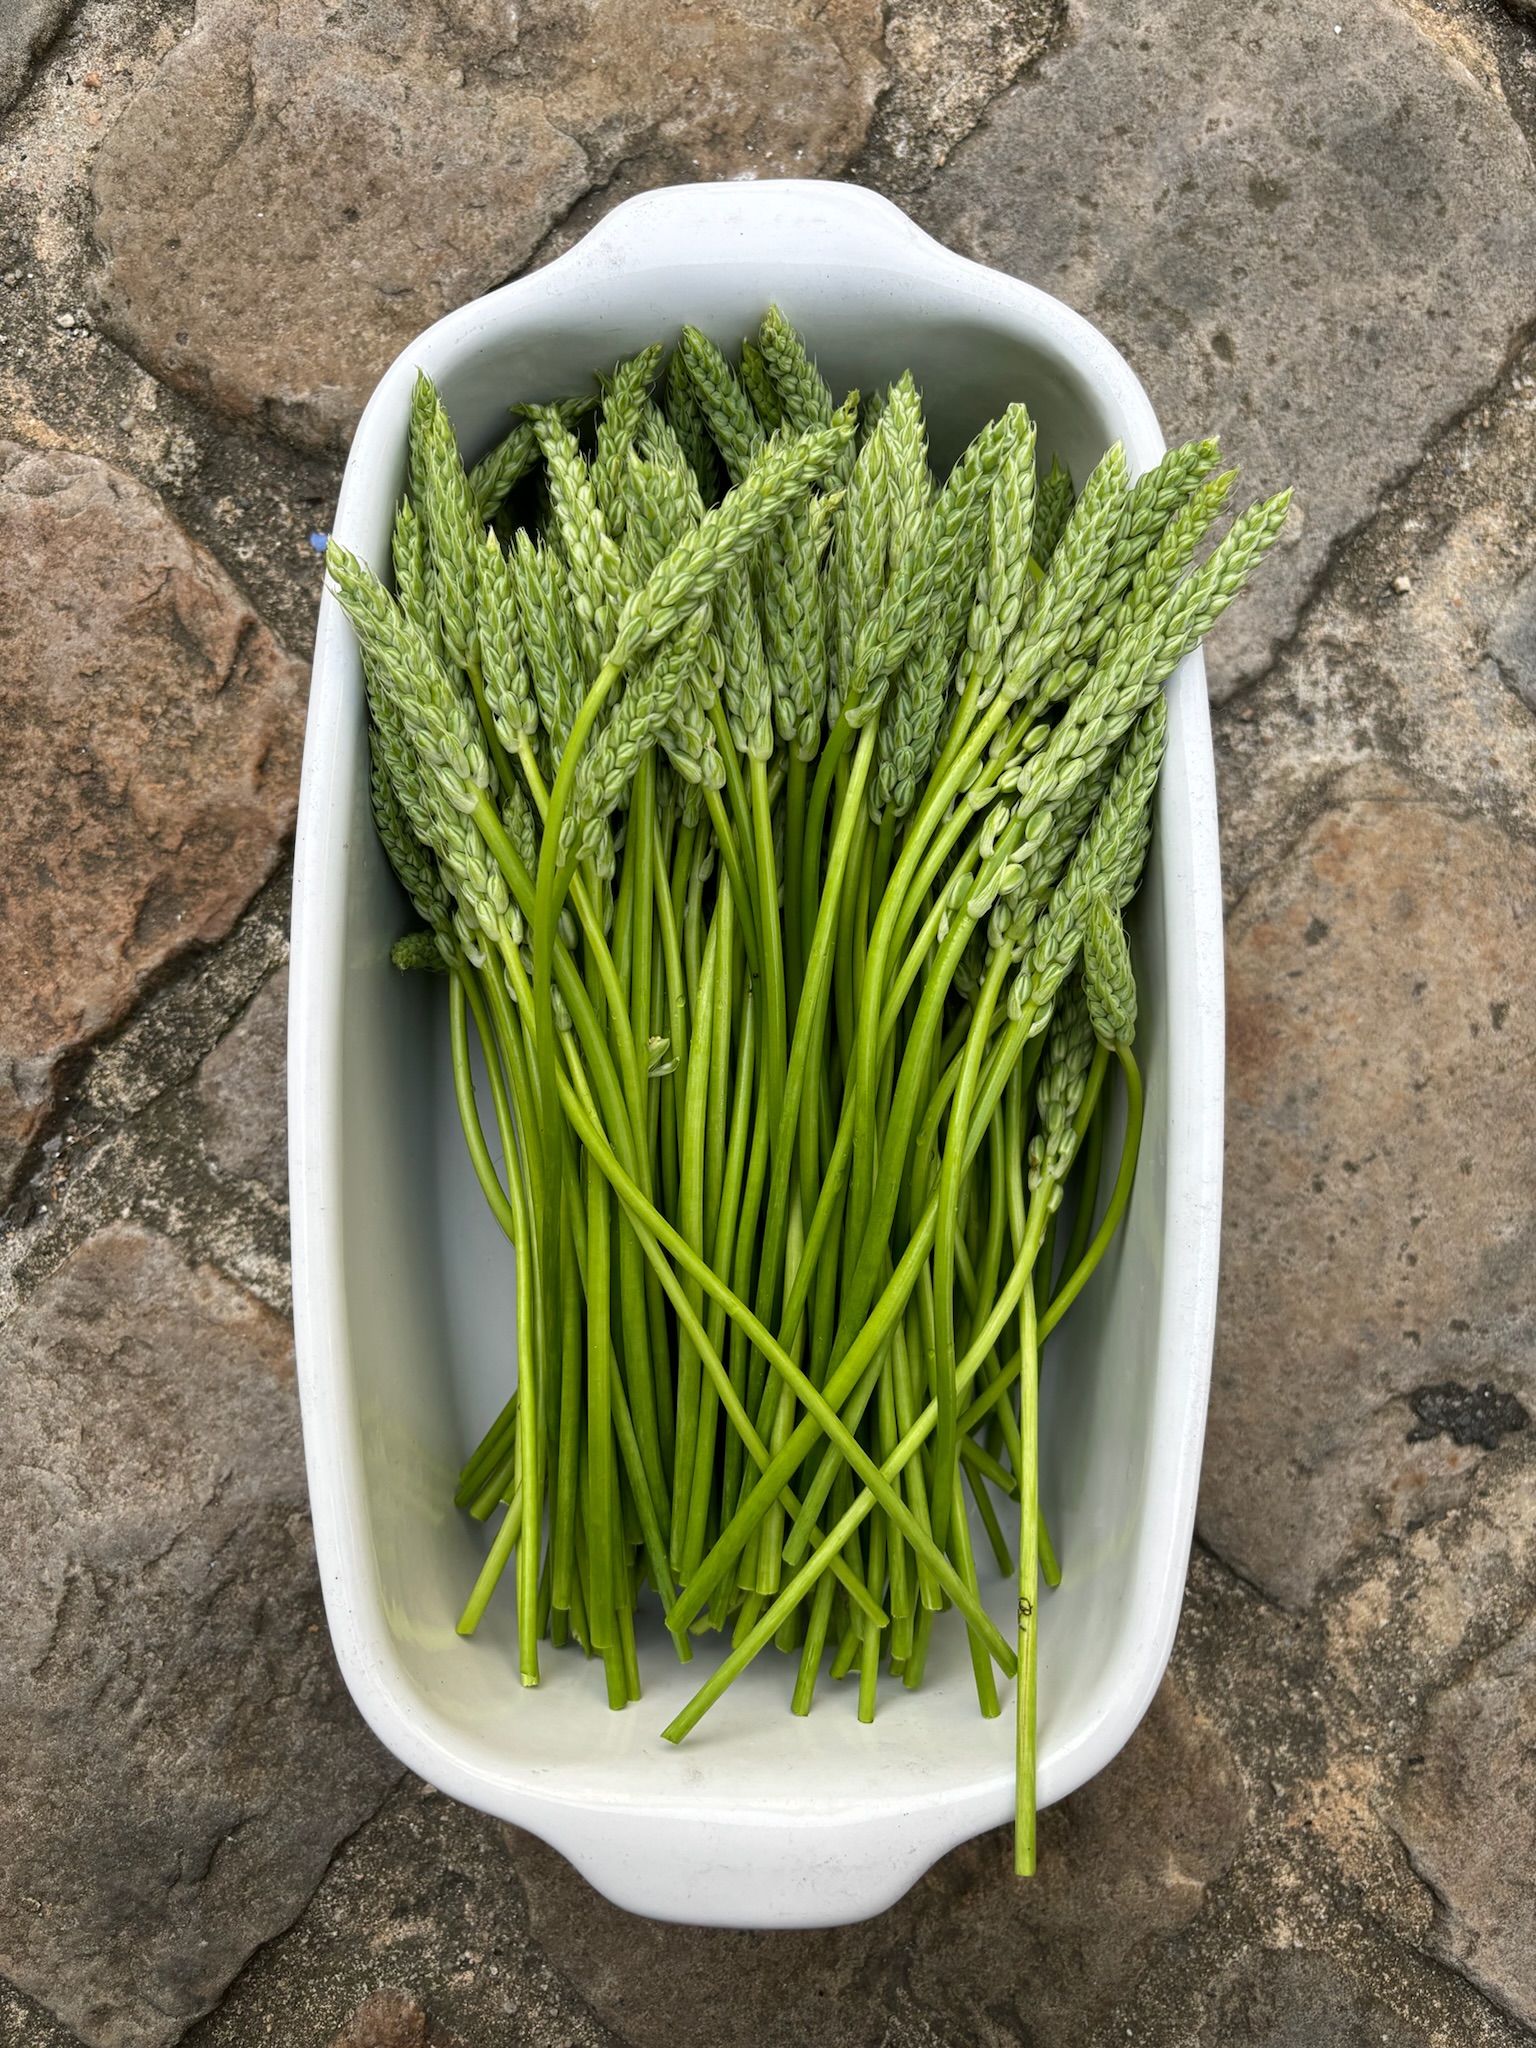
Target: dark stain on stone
1497,1012
1468,1415
1315,933
1267,193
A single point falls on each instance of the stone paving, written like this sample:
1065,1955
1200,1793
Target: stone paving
1310,227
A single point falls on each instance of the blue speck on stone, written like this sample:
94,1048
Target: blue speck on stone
319,542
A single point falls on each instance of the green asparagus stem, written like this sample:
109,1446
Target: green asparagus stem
774,843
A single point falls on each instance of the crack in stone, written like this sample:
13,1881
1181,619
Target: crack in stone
1446,1913
883,159
1202,1546
1323,584
176,986
1335,792
551,244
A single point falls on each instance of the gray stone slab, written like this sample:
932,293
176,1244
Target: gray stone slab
182,1758
1512,642
27,27
1409,664
947,64
243,1089
1310,228
417,1938
1424,1660
1292,1999
1467,1817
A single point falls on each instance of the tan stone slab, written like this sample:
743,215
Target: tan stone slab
150,730
1380,1203
302,191
393,2019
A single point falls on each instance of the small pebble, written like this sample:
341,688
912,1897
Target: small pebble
11,278
63,319
92,79
1401,585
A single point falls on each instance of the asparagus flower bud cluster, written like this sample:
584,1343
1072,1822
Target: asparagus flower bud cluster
774,805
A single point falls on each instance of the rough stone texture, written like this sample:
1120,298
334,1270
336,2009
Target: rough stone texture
393,2019
1309,229
1323,1834
149,736
26,29
72,390
947,63
1512,643
1468,1820
384,203
1425,1641
1381,1018
1393,683
243,1089
1284,1897
183,1759
969,1954
1320,1922
1384,678
174,1030
420,1910
1286,1999
132,1138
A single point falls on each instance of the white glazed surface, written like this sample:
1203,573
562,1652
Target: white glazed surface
403,1288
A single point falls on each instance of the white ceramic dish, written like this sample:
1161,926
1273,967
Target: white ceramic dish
403,1288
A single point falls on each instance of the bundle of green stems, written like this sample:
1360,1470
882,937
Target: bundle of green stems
773,809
